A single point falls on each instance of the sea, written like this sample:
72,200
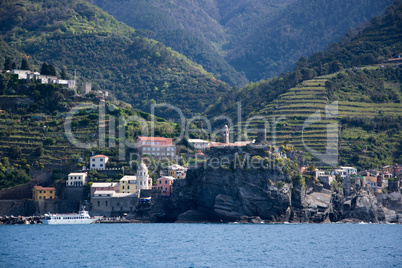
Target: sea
201,245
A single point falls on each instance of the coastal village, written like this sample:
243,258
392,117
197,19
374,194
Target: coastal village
137,191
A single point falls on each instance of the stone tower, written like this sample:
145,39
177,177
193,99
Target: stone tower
225,135
143,180
261,133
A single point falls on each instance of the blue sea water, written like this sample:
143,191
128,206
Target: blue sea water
201,245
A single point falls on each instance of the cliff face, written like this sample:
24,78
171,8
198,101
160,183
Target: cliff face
267,195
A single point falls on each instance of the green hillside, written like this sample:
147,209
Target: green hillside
258,37
111,55
369,115
33,133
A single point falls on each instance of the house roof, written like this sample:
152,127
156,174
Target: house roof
197,140
100,192
44,188
167,178
128,178
78,174
99,155
105,184
154,138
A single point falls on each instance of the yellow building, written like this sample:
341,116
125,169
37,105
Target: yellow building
128,184
43,193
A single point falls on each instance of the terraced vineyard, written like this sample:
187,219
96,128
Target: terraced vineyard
305,118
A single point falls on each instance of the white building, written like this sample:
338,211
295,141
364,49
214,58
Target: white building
98,161
143,180
77,179
350,170
199,144
345,171
128,184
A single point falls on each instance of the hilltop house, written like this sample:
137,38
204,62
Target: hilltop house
43,79
98,161
77,179
155,146
40,193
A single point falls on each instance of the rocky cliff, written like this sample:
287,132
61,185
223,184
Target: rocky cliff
224,194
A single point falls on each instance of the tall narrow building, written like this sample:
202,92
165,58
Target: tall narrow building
225,135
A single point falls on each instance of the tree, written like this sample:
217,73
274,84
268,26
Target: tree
8,64
63,74
13,66
25,64
48,69
15,152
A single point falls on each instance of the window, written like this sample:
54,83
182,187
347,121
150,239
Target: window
128,187
40,197
166,182
158,149
101,165
101,159
105,203
158,143
93,159
98,203
123,187
50,191
160,182
40,192
93,165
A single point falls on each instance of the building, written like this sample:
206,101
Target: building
345,171
372,181
104,186
128,184
175,171
43,193
199,144
156,146
86,88
350,170
165,185
111,203
77,179
326,180
261,133
144,182
225,135
98,161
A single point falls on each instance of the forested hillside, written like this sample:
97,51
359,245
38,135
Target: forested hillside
110,54
258,38
356,74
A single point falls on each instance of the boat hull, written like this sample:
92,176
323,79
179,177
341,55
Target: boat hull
72,221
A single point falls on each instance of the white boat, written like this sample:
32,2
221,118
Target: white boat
82,217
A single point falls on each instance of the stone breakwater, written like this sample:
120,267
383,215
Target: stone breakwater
21,220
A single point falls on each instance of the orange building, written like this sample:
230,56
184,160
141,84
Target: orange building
43,193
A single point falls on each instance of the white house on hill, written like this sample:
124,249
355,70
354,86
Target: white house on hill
98,161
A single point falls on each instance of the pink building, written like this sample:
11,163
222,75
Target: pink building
165,184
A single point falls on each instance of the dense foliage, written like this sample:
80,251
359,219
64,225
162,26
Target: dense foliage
78,35
378,41
257,37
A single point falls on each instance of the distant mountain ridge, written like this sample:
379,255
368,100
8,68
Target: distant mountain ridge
245,38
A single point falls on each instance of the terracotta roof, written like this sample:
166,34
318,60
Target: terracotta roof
99,155
154,138
44,188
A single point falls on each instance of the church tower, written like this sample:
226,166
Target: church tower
144,182
261,133
225,135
